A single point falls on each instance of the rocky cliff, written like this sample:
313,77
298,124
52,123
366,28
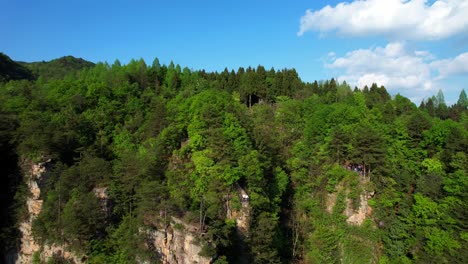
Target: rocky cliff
35,175
241,216
177,243
355,215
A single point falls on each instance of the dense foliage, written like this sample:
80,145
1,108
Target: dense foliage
171,141
10,70
58,68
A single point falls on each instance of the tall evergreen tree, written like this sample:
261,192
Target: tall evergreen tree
463,100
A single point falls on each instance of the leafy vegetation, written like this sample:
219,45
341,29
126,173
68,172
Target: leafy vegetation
58,68
10,70
167,141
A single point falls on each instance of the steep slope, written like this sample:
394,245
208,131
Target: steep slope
36,174
9,185
11,70
158,164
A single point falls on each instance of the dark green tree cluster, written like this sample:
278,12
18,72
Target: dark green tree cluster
435,106
171,142
58,68
11,70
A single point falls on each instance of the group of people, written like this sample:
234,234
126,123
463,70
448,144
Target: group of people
355,167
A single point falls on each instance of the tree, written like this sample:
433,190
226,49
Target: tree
324,243
368,147
167,142
263,240
403,105
430,182
430,106
441,106
463,100
82,217
339,144
417,123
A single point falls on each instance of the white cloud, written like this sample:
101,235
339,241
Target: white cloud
447,67
391,66
424,54
395,19
413,73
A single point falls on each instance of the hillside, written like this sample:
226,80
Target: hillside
143,163
57,68
10,70
54,69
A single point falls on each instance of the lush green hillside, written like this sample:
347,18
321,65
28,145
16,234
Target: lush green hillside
166,139
58,68
10,70
54,69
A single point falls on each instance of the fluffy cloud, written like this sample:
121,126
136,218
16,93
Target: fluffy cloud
415,73
448,67
391,66
395,19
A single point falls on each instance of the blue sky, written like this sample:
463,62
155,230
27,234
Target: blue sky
413,47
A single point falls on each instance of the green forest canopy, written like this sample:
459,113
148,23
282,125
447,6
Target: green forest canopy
167,138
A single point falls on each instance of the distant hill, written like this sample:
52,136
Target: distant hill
11,70
58,68
54,69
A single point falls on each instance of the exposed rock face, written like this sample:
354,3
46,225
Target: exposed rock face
28,245
356,216
177,244
242,218
331,198
49,251
104,202
34,205
35,175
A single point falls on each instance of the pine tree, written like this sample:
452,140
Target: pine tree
463,100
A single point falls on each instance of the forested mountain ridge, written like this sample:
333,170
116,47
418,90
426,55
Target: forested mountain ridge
57,68
10,70
169,142
54,69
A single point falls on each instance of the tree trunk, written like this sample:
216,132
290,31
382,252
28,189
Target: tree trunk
201,215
